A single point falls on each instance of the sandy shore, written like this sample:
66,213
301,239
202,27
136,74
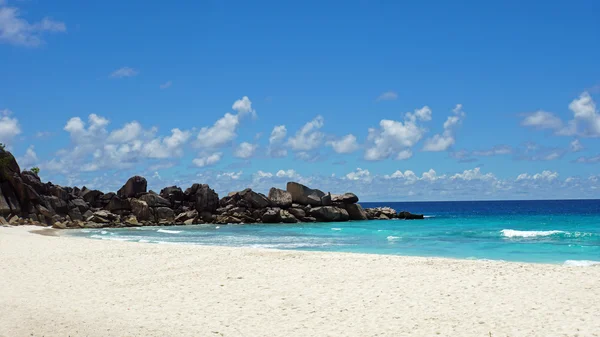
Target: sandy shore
61,286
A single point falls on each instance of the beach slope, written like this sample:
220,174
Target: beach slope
61,286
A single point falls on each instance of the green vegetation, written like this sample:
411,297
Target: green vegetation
2,146
35,170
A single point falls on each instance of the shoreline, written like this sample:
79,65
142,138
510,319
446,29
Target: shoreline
59,286
64,232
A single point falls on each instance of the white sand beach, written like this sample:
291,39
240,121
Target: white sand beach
63,286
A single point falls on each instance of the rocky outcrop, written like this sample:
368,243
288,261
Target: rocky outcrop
356,212
134,186
329,214
280,198
346,198
304,195
25,199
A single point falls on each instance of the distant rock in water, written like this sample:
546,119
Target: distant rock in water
25,199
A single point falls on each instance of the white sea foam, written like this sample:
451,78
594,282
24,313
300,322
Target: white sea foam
104,232
217,227
108,238
511,233
142,240
429,216
581,263
393,238
336,229
168,231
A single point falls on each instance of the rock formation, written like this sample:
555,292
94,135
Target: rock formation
24,199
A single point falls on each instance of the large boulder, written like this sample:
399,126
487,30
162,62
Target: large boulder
174,194
271,216
154,200
346,198
356,212
140,209
280,198
118,204
183,217
90,196
6,197
79,203
256,200
329,214
304,195
34,181
206,199
299,213
134,186
409,216
287,217
59,205
164,214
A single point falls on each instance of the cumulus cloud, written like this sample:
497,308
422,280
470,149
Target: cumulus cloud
29,159
9,126
244,106
124,72
346,144
576,146
585,122
543,176
359,174
308,137
245,150
94,148
290,174
207,159
393,137
443,141
388,96
230,175
275,148
17,31
224,131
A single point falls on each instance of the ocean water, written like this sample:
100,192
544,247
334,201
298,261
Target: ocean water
558,232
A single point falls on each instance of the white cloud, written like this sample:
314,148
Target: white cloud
290,174
544,176
220,134
9,126
576,145
588,160
244,106
474,174
387,96
166,85
275,142
124,72
260,174
308,137
394,137
278,134
443,141
29,159
542,120
404,154
207,160
223,132
245,150
496,150
585,122
230,175
129,132
359,174
17,31
346,144
167,147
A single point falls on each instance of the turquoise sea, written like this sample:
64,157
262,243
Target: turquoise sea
556,231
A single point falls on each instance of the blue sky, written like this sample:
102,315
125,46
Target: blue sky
429,100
